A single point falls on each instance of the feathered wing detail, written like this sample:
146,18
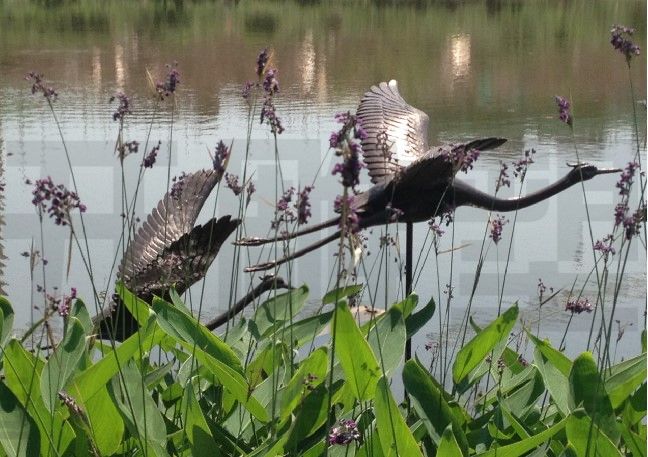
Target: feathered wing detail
397,133
440,165
173,217
186,260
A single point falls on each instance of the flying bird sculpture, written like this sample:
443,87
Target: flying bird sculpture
168,250
413,182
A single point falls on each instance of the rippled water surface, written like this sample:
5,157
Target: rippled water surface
477,68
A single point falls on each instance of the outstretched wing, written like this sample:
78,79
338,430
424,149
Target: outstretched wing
173,217
186,260
441,164
396,131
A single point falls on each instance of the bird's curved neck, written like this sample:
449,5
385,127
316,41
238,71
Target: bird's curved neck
465,194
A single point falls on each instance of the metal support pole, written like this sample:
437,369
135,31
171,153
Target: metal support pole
409,242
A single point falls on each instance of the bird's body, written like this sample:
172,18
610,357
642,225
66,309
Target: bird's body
413,182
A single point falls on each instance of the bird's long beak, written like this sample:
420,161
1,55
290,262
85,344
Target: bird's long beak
603,171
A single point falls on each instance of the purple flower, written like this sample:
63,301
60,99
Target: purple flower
523,361
620,211
542,288
497,224
124,149
38,85
342,206
579,305
344,432
251,188
632,224
168,87
284,211
620,40
564,110
348,148
56,200
124,107
221,154
232,182
247,90
521,166
178,186
605,246
393,214
303,205
503,178
269,115
262,61
270,82
627,176
64,308
435,228
149,159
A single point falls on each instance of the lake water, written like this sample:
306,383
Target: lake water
478,69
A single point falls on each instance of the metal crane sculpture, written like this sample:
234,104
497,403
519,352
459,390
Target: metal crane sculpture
408,176
168,250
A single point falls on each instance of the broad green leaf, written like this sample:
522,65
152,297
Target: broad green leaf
231,379
311,373
478,348
312,414
395,436
338,294
306,330
22,377
448,447
356,358
276,311
626,377
80,312
186,329
553,356
102,414
587,389
430,404
18,433
586,438
62,363
195,425
93,379
634,442
6,324
522,447
416,321
139,411
140,310
635,408
554,380
387,338
522,398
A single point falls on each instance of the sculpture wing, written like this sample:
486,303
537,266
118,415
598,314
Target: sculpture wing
396,131
440,165
173,217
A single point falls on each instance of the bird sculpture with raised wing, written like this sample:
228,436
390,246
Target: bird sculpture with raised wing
413,182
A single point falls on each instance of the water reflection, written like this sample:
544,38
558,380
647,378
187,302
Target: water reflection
475,75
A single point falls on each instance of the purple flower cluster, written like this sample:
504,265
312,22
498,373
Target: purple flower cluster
124,149
303,205
435,228
270,86
150,158
232,182
178,186
246,91
620,40
56,200
579,305
168,87
123,108
605,245
627,176
221,154
284,212
250,189
345,206
344,432
64,307
503,180
632,224
564,110
461,158
497,224
521,166
262,61
38,85
346,145
393,214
